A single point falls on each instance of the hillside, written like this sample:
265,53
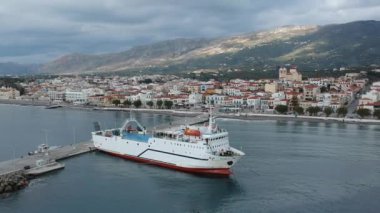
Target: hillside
141,56
332,46
310,47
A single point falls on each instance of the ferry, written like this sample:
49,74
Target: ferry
200,149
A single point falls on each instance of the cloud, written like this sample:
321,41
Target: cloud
41,30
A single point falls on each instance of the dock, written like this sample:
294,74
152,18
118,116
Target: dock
40,170
26,163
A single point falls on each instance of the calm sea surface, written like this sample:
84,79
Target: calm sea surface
288,167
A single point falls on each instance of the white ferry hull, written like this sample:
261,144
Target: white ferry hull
168,154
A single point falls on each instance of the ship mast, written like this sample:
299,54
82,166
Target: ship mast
211,121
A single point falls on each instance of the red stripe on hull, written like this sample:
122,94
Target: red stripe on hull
205,171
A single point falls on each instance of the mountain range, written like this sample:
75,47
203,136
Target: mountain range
310,47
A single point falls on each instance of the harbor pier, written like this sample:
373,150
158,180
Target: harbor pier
13,173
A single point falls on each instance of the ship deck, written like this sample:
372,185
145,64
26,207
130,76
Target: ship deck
137,137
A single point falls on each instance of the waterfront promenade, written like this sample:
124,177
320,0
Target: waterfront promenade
246,116
258,116
190,113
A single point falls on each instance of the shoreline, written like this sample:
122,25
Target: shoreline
261,117
181,113
24,102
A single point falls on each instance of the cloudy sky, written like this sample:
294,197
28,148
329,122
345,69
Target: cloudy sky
41,30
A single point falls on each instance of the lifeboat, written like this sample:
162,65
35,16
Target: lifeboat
192,132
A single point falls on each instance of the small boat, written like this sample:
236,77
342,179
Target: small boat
53,106
42,148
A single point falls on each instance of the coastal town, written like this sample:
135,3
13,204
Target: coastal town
190,106
349,95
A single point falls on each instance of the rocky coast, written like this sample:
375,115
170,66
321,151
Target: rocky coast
12,182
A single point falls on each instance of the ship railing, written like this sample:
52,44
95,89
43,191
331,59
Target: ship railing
108,133
175,138
98,133
227,153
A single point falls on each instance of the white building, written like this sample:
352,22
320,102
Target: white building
195,98
9,93
277,102
215,99
279,95
374,95
132,98
93,92
56,96
324,100
238,101
146,96
76,97
254,102
232,91
174,92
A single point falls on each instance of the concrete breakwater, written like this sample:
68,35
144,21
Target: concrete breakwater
14,174
12,182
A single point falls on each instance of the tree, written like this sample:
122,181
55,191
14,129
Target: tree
328,111
282,109
168,104
299,110
310,110
116,102
22,90
146,81
376,113
150,103
342,111
127,103
313,110
294,101
324,89
362,112
317,109
137,103
159,103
